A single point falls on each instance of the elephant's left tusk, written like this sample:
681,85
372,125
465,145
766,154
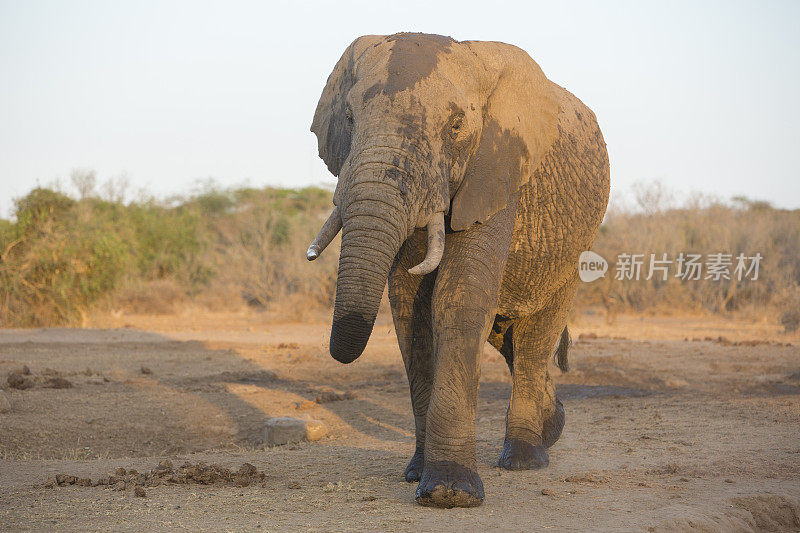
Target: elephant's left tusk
435,246
326,235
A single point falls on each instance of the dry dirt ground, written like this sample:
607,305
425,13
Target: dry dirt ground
663,432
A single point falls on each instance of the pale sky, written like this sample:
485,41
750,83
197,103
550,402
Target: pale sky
704,96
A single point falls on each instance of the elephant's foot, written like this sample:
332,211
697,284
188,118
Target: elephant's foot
448,484
518,454
415,466
551,429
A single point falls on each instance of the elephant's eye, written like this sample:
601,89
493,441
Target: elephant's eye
455,127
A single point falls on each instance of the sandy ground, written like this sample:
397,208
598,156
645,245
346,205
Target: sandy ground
663,432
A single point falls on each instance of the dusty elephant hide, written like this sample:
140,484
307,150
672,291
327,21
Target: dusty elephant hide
471,183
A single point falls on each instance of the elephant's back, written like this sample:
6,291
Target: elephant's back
559,210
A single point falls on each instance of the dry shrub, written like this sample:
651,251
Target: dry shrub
700,226
156,297
261,250
222,249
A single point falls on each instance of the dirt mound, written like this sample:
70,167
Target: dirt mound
771,512
165,473
763,512
23,379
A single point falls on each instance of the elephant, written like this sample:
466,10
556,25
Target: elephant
471,184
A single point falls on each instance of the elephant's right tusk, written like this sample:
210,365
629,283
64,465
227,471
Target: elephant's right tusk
435,246
326,235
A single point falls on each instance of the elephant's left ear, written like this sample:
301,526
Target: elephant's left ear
330,119
520,120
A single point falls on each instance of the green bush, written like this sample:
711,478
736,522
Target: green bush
61,255
55,262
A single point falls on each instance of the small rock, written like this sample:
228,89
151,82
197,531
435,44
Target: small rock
548,492
145,370
139,492
18,381
5,403
329,396
305,405
287,430
294,485
62,480
58,383
288,345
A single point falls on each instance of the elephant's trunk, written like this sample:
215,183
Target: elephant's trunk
374,228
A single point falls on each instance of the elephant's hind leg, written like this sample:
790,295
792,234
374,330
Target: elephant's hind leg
535,415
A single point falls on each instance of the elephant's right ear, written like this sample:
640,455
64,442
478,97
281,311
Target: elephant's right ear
330,121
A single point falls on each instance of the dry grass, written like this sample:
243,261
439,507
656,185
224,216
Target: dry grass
224,249
701,226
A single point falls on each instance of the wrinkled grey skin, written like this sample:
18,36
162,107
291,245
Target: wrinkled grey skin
417,125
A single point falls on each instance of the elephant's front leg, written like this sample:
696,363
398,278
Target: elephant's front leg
410,297
464,302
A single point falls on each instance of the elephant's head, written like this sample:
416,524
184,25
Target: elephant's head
418,128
